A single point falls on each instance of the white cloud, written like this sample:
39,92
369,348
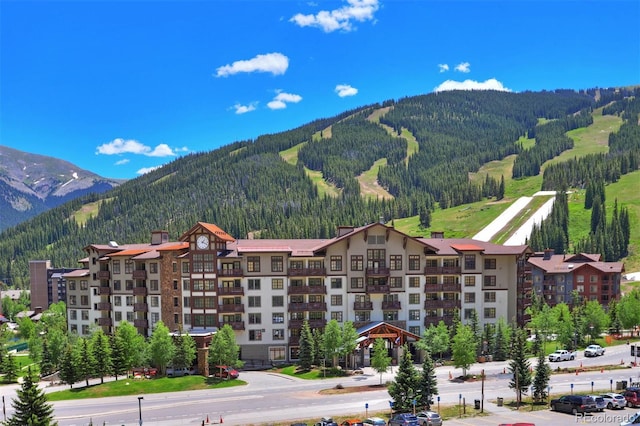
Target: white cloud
491,84
130,146
145,170
344,90
282,99
443,67
243,109
122,162
339,19
275,63
464,67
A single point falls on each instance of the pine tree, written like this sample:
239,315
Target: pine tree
403,389
306,346
101,352
428,383
118,361
519,365
31,407
46,364
541,378
10,368
68,372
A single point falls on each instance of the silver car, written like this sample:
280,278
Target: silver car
614,400
429,418
600,402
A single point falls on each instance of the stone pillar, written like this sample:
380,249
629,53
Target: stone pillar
203,361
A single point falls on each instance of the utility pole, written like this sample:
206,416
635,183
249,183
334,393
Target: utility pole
482,399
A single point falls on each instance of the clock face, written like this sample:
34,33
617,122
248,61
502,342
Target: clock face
203,242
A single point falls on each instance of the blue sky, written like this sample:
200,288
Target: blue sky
119,88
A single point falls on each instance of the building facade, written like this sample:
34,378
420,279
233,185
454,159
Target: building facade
48,285
265,289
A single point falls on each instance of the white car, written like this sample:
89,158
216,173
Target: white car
614,400
634,419
594,350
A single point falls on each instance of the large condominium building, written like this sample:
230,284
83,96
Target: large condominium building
265,289
47,284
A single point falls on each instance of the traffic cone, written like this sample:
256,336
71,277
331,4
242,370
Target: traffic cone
577,371
580,364
602,370
221,421
207,419
450,376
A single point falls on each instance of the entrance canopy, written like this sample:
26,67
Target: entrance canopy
383,330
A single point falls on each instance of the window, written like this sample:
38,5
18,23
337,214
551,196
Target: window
414,315
390,315
335,263
357,262
255,318
414,298
469,298
84,284
255,335
278,334
187,318
592,278
336,300
72,285
153,268
174,267
315,264
277,264
175,284
414,282
395,262
469,261
277,317
593,288
489,312
415,329
74,328
277,301
580,288
414,262
362,316
376,239
116,266
85,329
489,280
336,315
176,302
84,315
254,301
315,282
155,317
296,264
72,299
357,283
468,313
73,314
118,315
580,278
186,302
185,267
116,285
336,283
128,284
84,300
377,255
254,284
117,300
277,284
153,285
431,280
129,300
489,264
277,353
395,282
490,296
253,264
469,281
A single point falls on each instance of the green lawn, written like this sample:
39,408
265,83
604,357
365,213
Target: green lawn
124,387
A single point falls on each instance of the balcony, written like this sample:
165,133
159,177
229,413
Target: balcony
104,275
231,307
140,291
307,272
103,306
448,320
447,304
315,323
451,287
379,289
294,340
377,272
234,272
312,306
105,322
141,323
391,304
442,270
363,306
140,274
140,307
236,325
307,289
104,290
230,291
432,303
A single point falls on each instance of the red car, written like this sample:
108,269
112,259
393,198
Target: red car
632,395
225,372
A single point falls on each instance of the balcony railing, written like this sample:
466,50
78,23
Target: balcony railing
314,323
432,303
390,304
103,306
363,306
307,272
104,275
311,306
142,323
450,304
106,321
104,290
442,270
235,291
231,307
448,287
377,272
140,274
236,325
235,272
380,288
307,289
140,307
140,291
448,320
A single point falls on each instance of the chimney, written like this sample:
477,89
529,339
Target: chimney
437,234
548,253
344,230
159,237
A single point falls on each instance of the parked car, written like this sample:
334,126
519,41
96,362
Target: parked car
574,404
429,418
600,402
375,421
632,395
404,419
562,355
614,400
179,372
633,420
225,372
593,350
326,421
352,422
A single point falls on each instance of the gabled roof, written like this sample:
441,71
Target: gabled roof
77,273
453,247
561,264
210,228
350,232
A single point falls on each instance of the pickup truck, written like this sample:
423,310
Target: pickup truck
562,355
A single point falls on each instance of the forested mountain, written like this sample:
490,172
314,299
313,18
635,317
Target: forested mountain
31,184
248,189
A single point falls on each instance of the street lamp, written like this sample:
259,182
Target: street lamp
140,398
